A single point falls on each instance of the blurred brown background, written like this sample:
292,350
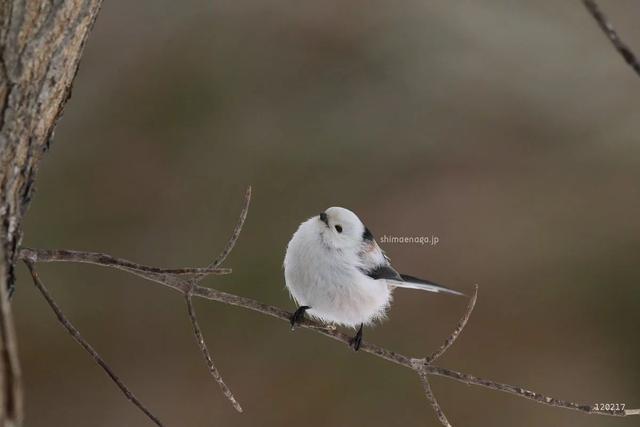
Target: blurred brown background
507,129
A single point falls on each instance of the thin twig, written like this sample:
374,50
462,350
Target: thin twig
182,286
456,332
419,367
205,351
236,232
612,35
78,337
106,260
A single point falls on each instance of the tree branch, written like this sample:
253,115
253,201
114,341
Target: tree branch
456,332
88,348
106,260
236,231
418,365
397,358
174,277
606,27
182,286
207,356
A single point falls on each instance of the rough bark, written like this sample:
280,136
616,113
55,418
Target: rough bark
41,43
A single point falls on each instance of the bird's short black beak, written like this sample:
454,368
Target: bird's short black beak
324,218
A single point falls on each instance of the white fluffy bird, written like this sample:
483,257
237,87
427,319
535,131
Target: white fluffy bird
336,272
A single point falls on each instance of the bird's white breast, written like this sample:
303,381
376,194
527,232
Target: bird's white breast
330,281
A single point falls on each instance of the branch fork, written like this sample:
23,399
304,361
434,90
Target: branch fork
420,365
184,280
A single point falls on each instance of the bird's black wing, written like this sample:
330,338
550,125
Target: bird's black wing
383,272
387,272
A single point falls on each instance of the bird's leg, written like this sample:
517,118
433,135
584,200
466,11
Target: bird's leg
356,341
298,316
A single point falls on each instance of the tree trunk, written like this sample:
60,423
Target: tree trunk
41,43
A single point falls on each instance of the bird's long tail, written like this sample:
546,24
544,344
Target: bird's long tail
411,282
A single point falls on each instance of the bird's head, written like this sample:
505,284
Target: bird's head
341,229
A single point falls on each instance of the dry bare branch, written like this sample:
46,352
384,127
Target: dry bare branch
181,285
456,332
606,27
191,309
207,356
236,231
88,348
174,277
98,258
400,359
419,367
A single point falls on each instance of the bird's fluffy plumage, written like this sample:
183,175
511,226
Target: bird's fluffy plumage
334,265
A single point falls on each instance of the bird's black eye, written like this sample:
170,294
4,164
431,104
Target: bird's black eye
338,228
